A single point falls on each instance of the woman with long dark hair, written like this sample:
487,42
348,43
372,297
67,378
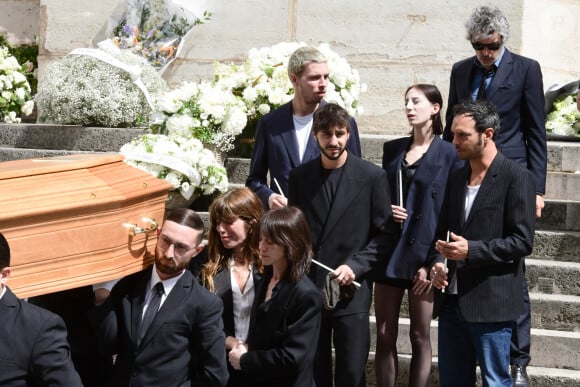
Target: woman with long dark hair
287,309
417,168
233,269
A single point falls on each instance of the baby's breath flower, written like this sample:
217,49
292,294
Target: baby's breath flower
84,90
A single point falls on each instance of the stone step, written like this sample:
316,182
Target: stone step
69,137
553,277
557,246
7,154
550,348
561,215
558,312
562,185
539,376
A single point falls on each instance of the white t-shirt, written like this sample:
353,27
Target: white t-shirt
303,131
470,195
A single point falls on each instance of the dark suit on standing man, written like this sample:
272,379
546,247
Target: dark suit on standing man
33,346
516,91
276,151
356,230
184,346
500,234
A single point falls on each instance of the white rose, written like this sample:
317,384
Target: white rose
26,109
20,93
18,77
264,109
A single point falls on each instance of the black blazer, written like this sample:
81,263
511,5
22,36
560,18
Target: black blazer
33,347
357,230
223,289
500,233
276,151
423,203
184,346
283,335
516,91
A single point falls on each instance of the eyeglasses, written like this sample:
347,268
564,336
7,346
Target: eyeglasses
490,46
179,248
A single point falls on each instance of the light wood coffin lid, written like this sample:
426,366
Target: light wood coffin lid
64,220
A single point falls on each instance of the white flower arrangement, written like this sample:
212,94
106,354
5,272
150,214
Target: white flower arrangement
15,92
206,111
214,111
183,162
99,87
564,119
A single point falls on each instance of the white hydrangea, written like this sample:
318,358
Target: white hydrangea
15,97
564,119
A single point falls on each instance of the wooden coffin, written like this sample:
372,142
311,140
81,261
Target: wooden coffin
66,218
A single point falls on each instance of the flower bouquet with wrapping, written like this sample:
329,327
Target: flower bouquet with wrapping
562,115
153,29
183,162
105,87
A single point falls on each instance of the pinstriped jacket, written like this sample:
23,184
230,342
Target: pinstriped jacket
500,233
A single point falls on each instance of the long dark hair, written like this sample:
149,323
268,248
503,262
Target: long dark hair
288,227
433,95
238,202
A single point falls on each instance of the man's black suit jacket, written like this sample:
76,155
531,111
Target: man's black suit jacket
500,233
357,230
184,346
516,91
33,347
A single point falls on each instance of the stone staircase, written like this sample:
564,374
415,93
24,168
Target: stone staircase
553,269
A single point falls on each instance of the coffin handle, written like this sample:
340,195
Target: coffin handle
133,229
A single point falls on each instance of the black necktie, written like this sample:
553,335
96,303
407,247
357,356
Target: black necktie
486,74
151,309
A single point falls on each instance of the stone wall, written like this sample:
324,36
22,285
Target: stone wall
393,43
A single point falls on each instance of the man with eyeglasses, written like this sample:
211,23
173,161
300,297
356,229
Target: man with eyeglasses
164,328
513,84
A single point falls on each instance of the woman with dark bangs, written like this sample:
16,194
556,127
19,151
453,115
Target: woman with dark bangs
233,270
286,313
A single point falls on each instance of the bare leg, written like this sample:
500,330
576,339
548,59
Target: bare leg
421,311
387,306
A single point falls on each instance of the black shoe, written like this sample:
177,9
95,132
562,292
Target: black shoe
519,376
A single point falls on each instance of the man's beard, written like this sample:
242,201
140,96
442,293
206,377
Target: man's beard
330,157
